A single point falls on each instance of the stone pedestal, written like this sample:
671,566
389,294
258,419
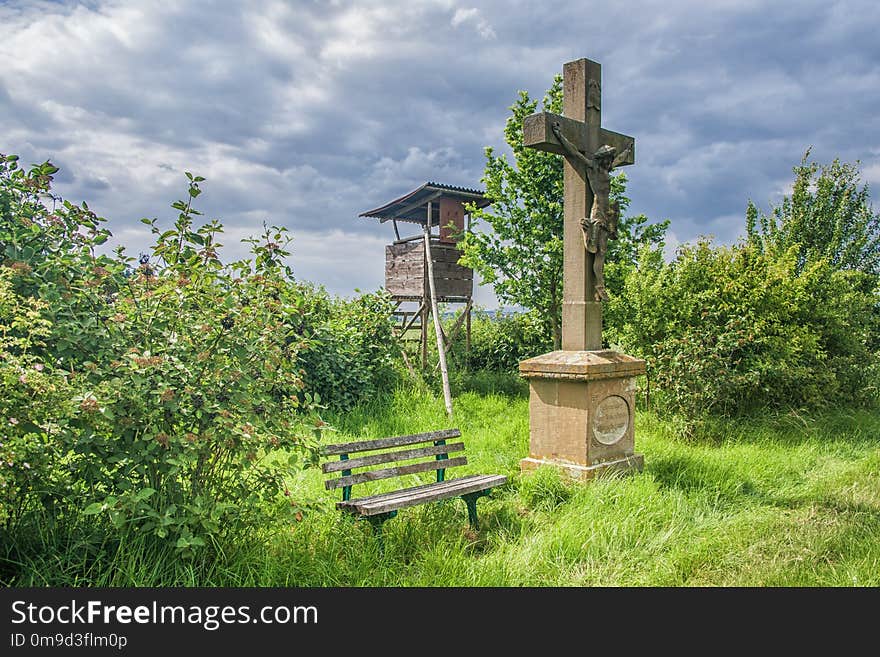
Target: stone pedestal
581,412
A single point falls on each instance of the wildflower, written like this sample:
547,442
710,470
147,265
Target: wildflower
26,465
13,421
39,367
89,405
162,438
167,395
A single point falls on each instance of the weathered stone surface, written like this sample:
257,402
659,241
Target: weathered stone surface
582,365
581,406
624,465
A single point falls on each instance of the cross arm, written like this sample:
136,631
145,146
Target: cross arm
538,134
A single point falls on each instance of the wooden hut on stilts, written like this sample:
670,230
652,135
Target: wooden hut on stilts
439,211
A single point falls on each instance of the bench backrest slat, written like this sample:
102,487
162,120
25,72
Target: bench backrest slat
374,475
396,441
390,457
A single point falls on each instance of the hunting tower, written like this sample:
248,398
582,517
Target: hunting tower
406,265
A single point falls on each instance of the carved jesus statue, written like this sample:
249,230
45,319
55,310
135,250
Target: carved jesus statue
601,225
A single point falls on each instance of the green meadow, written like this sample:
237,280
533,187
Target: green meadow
781,501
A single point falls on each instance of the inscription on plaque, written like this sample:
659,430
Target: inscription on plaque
611,420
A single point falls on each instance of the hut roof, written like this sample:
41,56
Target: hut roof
413,207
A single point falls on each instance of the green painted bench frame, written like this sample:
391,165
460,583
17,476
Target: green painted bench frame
379,508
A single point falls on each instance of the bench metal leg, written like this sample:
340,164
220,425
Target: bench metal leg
471,500
377,522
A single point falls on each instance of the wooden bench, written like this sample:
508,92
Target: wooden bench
379,508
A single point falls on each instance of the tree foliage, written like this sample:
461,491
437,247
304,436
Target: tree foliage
828,215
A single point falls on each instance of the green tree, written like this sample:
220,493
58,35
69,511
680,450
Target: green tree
828,215
521,256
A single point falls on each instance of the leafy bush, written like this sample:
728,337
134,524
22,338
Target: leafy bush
29,454
351,352
731,330
166,394
500,343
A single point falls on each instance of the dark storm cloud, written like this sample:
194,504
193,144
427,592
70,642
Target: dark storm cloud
307,113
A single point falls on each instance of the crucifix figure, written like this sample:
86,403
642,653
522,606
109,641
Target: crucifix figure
591,152
601,225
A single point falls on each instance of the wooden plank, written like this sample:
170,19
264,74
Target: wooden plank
405,248
391,441
447,287
445,254
408,290
390,457
403,492
452,270
404,269
387,473
457,488
422,494
403,262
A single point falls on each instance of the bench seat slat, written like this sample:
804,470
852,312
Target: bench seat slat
404,491
396,441
376,504
427,493
375,475
389,457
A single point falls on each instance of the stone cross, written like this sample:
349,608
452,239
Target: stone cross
580,127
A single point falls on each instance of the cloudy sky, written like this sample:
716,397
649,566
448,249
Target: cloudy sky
306,113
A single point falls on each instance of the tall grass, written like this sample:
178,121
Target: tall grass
780,501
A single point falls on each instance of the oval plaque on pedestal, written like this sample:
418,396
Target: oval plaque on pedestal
611,420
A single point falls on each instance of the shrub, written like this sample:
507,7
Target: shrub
500,343
170,396
351,351
34,396
731,330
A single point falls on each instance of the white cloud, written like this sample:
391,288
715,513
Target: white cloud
473,16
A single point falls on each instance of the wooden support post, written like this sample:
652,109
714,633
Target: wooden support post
423,344
408,324
468,327
438,331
